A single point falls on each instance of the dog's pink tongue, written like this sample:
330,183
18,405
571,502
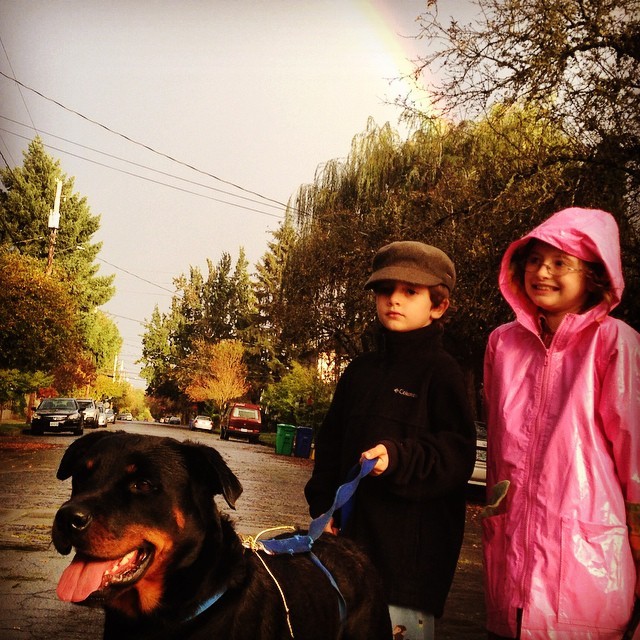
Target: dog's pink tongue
80,579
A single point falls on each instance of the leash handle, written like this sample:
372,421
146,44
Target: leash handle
343,495
303,543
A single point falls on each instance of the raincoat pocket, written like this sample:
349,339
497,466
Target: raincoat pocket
495,554
596,575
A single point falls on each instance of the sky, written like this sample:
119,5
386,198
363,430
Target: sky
188,125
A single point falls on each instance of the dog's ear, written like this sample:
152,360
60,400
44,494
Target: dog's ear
77,451
214,471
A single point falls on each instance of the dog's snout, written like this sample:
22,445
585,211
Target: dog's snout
80,520
70,526
74,518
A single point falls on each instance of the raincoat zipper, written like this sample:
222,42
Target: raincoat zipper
534,463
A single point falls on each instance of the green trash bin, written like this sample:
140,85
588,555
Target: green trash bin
285,435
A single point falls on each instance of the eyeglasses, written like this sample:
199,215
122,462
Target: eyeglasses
558,267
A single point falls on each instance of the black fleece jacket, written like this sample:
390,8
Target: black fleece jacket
410,396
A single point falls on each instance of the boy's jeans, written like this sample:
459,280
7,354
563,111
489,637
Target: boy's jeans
411,624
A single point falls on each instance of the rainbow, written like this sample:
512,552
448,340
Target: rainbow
394,24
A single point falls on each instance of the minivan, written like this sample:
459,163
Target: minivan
241,420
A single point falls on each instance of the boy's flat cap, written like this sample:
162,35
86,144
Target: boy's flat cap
414,262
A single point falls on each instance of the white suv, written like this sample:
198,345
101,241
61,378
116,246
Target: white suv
90,411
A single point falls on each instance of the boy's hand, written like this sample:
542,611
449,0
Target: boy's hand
331,528
380,452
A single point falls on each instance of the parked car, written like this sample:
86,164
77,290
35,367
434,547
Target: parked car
111,417
479,475
125,416
241,420
174,420
90,411
57,414
478,480
102,416
202,422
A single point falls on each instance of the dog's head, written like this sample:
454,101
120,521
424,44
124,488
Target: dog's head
140,506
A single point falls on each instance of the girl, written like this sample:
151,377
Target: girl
562,385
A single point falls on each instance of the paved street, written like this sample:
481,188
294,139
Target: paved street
30,566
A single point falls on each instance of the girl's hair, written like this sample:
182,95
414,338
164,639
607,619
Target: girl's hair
598,281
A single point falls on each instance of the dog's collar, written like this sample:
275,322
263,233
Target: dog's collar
207,604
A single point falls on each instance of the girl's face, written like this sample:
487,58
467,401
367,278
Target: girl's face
555,281
403,306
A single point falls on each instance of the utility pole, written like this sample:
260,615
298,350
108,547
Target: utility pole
54,224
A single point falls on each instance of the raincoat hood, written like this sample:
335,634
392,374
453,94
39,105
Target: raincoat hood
589,234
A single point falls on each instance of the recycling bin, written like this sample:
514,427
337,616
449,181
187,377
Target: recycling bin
302,447
285,435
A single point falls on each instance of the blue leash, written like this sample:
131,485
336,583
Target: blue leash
303,543
344,494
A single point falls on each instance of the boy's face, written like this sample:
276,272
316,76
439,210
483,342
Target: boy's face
403,306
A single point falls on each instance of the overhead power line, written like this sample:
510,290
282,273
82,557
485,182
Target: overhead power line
131,162
135,276
138,143
24,102
161,183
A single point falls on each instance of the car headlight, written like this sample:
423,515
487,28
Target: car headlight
73,416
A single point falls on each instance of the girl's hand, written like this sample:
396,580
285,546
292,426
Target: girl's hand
380,452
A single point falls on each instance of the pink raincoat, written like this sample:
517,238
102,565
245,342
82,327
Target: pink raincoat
564,430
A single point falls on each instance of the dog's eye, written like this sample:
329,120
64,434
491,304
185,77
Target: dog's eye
142,486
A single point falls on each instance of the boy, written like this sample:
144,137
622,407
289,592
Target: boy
406,405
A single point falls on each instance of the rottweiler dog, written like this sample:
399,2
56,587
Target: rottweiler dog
155,552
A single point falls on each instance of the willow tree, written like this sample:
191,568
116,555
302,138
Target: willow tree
342,217
467,189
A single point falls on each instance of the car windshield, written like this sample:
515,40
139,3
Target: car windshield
203,418
248,414
85,403
48,405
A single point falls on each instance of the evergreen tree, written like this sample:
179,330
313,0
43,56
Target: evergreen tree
24,214
28,195
244,303
266,353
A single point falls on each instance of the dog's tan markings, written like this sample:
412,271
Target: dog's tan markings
103,543
178,516
150,587
150,592
90,463
131,468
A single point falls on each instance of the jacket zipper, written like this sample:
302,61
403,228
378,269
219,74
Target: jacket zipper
534,463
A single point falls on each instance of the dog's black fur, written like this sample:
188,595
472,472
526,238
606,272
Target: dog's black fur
133,492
